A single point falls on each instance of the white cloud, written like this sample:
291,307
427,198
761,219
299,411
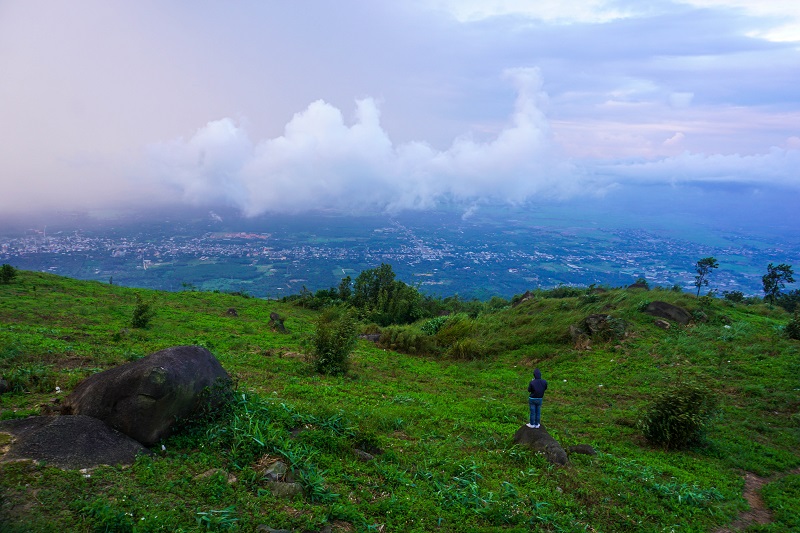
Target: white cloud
675,140
320,162
774,168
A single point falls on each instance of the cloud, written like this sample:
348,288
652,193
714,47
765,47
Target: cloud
87,87
775,168
322,162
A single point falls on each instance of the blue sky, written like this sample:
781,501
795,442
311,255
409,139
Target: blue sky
376,105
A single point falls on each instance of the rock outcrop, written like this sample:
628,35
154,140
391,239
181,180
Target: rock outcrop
144,399
668,311
541,441
70,442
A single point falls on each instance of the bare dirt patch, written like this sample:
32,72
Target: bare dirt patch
758,514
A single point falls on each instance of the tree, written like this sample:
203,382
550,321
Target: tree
7,273
775,279
344,289
384,300
703,268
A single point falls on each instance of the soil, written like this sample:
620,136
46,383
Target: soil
758,512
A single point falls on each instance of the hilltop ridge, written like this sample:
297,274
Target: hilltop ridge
436,421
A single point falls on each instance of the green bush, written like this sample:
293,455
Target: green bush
7,273
793,327
456,328
563,291
433,325
466,349
334,338
736,297
679,417
407,339
143,313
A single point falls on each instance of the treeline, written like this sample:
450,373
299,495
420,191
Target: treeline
379,298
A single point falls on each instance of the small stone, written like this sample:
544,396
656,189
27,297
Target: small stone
284,490
278,471
363,456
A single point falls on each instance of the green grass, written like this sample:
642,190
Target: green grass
439,428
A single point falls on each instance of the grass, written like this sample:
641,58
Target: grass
439,428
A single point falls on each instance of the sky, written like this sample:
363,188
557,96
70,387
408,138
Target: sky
385,106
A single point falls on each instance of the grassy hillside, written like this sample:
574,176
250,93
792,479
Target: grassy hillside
440,428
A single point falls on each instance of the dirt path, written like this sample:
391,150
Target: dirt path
758,512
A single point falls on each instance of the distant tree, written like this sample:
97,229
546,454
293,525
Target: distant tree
793,327
775,279
384,300
703,267
7,273
789,300
733,296
344,289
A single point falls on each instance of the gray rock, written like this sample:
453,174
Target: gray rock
143,399
541,441
661,323
668,311
583,449
284,490
276,322
69,442
363,456
278,471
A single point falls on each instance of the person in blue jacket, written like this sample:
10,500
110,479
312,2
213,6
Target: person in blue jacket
536,389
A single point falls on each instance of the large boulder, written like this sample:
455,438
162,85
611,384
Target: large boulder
541,441
69,442
143,399
668,311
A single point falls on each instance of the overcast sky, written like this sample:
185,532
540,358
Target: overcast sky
274,106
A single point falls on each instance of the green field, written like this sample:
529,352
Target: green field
440,428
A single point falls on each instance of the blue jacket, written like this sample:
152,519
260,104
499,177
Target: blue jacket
537,386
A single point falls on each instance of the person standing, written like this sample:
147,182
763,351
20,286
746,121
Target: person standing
536,389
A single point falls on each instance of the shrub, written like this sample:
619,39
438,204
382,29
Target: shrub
736,297
679,417
7,273
789,301
456,328
433,325
142,313
563,291
406,339
792,329
334,338
467,349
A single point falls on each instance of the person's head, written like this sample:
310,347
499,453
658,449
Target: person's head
537,374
